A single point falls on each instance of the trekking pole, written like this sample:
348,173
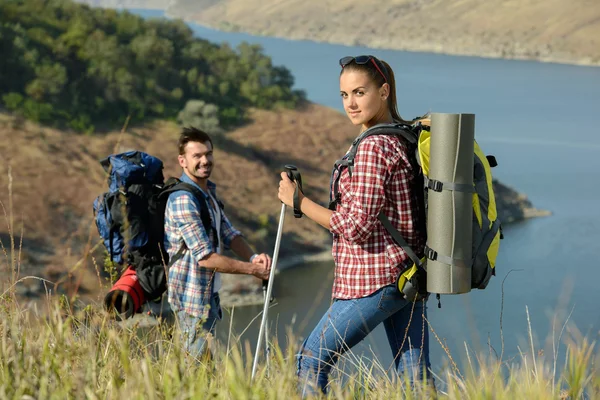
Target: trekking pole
270,299
292,173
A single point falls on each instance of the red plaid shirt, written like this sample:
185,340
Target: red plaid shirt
366,257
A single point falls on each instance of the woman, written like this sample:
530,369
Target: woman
367,260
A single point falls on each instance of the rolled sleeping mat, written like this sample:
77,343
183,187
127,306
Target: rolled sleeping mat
450,203
126,296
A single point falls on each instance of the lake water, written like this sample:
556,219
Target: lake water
541,121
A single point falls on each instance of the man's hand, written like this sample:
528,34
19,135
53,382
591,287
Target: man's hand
262,266
262,259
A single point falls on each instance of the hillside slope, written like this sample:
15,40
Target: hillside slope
49,179
55,176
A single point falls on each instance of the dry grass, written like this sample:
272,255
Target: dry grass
57,353
53,349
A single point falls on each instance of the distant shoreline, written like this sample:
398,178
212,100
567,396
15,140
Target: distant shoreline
420,46
427,48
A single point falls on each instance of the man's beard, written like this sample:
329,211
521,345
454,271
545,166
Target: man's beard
203,172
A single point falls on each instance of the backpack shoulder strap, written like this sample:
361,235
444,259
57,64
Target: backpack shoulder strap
175,185
406,132
399,130
399,239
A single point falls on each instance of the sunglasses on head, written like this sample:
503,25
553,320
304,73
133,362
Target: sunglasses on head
362,60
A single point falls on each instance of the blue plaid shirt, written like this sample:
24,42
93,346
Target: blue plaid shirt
190,285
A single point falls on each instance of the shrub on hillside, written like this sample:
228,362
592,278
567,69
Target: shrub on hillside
201,115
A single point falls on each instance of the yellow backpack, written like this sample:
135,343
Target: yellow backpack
487,230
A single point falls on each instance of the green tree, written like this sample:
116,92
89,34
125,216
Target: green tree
68,64
49,81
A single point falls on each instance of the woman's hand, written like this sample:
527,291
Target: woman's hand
312,210
287,189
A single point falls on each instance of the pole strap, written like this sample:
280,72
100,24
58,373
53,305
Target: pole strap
295,176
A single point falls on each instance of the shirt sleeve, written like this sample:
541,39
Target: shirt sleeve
228,232
367,194
186,216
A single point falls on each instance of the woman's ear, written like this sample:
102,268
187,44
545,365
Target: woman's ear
384,91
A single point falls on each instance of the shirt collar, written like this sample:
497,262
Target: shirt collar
185,178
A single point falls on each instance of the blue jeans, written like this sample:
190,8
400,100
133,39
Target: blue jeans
194,330
347,322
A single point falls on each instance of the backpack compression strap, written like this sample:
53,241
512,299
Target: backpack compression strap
434,255
438,186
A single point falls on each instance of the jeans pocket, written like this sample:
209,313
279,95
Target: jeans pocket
390,300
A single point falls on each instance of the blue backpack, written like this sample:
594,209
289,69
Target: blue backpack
130,216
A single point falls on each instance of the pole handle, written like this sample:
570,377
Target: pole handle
294,175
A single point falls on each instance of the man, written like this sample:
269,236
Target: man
194,277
